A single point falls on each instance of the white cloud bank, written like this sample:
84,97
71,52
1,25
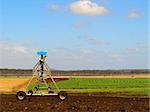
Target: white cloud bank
87,8
134,14
15,55
14,48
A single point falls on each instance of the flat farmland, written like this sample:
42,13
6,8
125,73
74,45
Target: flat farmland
85,94
84,84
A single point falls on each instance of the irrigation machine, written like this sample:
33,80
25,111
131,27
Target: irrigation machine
39,84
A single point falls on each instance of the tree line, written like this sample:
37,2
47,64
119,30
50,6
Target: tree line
76,72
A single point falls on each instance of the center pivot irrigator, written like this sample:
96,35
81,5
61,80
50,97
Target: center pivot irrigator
41,81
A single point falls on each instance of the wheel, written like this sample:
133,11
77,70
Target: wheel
30,92
62,95
36,88
21,95
49,88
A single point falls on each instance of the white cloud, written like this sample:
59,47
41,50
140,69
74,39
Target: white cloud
84,51
94,41
16,55
14,48
115,56
134,14
140,48
80,24
55,7
133,50
87,8
20,49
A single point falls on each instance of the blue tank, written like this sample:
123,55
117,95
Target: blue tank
41,53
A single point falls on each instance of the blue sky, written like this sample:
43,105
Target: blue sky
78,34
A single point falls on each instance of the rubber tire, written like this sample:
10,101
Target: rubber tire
49,88
36,88
62,95
30,92
21,93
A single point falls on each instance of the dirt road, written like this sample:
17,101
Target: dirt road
75,103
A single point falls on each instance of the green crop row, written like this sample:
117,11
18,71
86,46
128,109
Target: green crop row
134,85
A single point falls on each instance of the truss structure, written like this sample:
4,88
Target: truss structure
41,75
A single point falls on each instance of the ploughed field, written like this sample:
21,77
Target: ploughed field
83,102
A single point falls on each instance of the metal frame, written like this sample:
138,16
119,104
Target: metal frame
41,72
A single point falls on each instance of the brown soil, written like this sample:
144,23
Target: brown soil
15,84
76,102
56,79
7,84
